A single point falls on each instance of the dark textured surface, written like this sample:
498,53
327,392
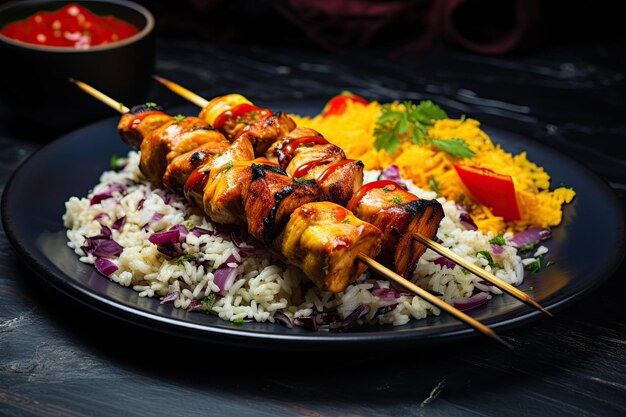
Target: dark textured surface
59,358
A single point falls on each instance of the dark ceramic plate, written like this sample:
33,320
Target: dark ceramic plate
586,249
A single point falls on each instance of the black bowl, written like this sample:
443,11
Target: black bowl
34,80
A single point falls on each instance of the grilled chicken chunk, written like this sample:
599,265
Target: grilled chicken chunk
168,141
272,152
263,132
399,214
339,181
271,198
179,168
139,122
239,150
323,239
225,191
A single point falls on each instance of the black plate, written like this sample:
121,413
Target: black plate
586,249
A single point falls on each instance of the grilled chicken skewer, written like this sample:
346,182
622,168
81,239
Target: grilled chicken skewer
423,238
310,236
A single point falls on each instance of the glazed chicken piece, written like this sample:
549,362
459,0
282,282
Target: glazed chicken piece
194,188
305,154
399,214
225,191
324,239
179,168
271,198
272,152
168,141
139,122
262,133
339,181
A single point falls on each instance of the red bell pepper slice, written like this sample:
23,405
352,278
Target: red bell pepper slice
338,104
491,189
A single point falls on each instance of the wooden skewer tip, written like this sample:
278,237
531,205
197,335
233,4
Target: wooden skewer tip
478,271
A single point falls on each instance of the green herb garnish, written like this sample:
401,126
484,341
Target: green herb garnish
345,221
385,189
229,165
238,320
534,266
179,118
434,185
498,240
412,123
526,248
208,301
184,258
396,200
455,147
326,269
117,162
300,179
150,104
487,256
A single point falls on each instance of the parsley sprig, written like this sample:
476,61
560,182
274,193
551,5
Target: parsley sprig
411,121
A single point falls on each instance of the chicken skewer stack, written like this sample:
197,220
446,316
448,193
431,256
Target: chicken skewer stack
383,211
299,227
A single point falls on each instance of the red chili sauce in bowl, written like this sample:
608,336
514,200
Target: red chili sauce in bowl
72,26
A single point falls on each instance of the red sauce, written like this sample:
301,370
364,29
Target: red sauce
303,169
356,198
289,149
243,112
72,26
139,118
332,168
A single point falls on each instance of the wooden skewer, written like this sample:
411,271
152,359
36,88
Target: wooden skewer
487,276
376,266
183,92
114,104
476,270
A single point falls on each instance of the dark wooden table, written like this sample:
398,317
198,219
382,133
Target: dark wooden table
59,358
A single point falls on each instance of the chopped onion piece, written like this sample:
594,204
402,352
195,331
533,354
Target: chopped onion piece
445,262
105,266
474,301
392,173
170,298
530,236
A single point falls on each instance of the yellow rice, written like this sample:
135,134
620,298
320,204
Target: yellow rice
539,206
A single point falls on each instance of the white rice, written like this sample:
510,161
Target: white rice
263,286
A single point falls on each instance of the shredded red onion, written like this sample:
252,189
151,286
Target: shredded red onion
140,204
102,247
388,294
100,217
354,317
474,301
497,249
194,305
224,278
168,236
199,231
170,298
107,193
465,218
445,262
385,309
392,173
105,266
282,318
530,236
119,223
